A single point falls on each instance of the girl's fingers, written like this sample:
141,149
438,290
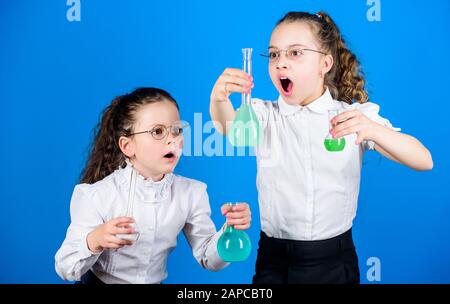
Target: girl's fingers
115,240
347,131
242,227
246,83
239,221
236,73
231,80
344,125
237,211
225,208
125,225
231,87
240,207
238,214
123,230
122,220
224,89
344,116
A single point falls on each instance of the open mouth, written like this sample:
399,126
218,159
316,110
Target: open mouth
286,85
169,155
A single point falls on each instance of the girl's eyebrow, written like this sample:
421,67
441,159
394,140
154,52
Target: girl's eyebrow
151,126
292,45
158,125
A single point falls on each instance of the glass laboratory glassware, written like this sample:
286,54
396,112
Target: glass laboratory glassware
130,204
234,245
330,143
245,130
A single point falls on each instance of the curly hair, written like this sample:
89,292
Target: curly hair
345,80
117,120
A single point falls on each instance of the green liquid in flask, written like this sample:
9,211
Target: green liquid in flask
234,245
334,144
330,143
245,130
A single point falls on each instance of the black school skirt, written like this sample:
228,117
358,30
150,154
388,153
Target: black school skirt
331,261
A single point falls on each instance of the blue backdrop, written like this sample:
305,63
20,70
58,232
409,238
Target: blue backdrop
56,75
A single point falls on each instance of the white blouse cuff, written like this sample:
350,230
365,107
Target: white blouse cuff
85,251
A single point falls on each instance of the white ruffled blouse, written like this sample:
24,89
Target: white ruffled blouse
161,211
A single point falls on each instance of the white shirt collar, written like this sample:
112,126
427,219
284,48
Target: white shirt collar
147,190
320,105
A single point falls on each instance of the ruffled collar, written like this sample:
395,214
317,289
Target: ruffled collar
147,190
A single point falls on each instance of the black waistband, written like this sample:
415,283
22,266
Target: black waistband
311,249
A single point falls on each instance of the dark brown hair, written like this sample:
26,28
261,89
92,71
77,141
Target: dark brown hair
345,80
117,120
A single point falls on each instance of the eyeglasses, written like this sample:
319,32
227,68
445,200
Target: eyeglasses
292,53
160,132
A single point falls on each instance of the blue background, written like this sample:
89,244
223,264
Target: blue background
56,76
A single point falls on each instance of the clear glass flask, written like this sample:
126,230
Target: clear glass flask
130,206
330,143
234,245
245,130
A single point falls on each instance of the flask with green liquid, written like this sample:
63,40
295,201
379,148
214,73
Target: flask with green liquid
245,130
330,143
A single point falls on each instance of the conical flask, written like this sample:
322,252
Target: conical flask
234,245
330,143
245,130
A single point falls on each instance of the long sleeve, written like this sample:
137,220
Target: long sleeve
74,258
201,232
